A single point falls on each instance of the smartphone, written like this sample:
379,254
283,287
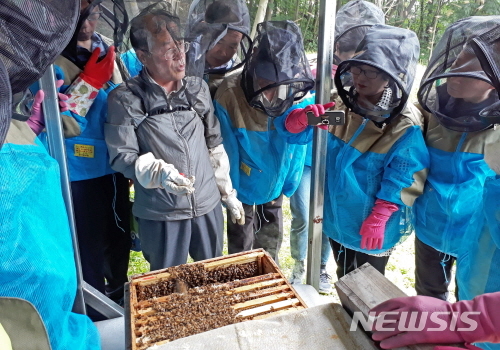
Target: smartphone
329,118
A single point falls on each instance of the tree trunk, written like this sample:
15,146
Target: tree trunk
434,26
259,17
297,5
269,10
131,8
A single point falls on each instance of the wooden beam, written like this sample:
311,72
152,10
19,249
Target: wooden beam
365,288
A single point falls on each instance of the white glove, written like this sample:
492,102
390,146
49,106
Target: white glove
156,173
235,209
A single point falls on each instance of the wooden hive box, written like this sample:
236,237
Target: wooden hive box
168,304
365,288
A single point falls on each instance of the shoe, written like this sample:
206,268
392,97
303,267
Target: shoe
324,282
136,242
298,273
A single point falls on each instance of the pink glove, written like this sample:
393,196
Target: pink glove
296,121
467,346
37,121
373,228
466,321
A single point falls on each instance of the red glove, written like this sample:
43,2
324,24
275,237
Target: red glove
454,324
36,120
99,73
296,121
373,227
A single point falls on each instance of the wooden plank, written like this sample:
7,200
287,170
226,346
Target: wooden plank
243,259
270,307
151,279
365,288
144,307
262,301
261,317
258,285
357,339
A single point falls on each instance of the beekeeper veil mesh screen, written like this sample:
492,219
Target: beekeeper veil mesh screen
32,35
459,82
219,34
277,72
382,73
351,24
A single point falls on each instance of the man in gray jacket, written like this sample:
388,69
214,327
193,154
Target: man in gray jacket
162,133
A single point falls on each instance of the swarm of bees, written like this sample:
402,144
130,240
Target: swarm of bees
193,300
184,314
195,275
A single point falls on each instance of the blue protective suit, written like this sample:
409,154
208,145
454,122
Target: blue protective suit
37,261
93,164
365,162
266,160
447,213
478,265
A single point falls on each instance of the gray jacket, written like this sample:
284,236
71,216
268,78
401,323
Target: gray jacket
179,128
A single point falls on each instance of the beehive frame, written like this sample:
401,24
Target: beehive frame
269,293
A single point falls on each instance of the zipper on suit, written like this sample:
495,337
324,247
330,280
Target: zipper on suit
191,198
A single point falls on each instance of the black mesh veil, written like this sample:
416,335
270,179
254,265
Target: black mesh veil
111,19
353,21
487,49
157,34
277,66
32,35
5,102
394,53
459,83
209,21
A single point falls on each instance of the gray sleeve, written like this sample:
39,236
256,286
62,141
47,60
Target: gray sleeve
205,107
119,133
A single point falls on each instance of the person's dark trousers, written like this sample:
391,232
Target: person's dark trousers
432,271
102,218
349,260
263,228
168,243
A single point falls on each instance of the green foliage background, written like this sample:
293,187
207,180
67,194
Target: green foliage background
427,18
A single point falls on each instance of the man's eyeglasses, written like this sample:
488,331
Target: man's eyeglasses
370,74
175,51
94,16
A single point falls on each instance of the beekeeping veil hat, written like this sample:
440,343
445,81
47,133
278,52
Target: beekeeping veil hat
277,65
32,35
394,52
111,22
352,22
464,57
208,22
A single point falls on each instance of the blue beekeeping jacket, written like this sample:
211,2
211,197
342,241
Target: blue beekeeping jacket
478,265
87,153
265,159
447,212
37,261
366,162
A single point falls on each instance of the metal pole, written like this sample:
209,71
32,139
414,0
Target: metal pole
323,91
57,150
105,306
